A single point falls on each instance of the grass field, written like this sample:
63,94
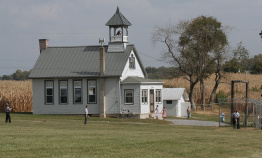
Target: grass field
66,136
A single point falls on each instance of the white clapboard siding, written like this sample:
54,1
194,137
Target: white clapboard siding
112,95
39,106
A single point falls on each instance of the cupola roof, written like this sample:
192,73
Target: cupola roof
118,19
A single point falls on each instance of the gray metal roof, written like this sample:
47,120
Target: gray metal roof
174,93
118,19
139,80
82,61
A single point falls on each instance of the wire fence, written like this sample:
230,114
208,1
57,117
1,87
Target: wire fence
249,110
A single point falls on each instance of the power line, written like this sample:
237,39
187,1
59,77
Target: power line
247,29
16,33
76,33
15,60
150,56
92,33
6,67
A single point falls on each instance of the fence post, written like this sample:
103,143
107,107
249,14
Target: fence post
246,107
219,114
232,96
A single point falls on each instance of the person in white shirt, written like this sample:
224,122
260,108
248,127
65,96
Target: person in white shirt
157,112
86,114
238,119
222,116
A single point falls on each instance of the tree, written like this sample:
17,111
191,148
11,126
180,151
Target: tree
150,69
257,68
162,72
209,71
18,75
241,54
26,75
7,77
218,74
257,57
240,60
191,46
233,66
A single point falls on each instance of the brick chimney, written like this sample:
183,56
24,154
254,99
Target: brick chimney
43,44
102,83
102,61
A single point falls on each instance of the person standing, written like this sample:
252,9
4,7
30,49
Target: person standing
233,116
8,109
157,112
86,114
238,119
188,112
164,113
222,116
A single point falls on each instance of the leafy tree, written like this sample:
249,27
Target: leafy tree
150,69
192,46
26,75
256,64
7,77
257,57
240,60
233,65
18,75
251,62
241,54
257,68
162,72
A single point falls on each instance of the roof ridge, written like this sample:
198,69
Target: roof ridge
65,46
121,17
77,46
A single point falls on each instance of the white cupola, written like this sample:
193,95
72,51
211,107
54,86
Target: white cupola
119,24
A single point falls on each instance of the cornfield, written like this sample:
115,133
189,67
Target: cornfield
254,88
18,94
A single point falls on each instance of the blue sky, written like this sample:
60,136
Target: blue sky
82,22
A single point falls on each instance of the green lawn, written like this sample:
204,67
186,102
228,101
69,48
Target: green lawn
67,136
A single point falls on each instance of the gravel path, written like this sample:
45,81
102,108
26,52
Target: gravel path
194,122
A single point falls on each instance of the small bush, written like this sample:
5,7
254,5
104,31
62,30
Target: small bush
221,94
255,89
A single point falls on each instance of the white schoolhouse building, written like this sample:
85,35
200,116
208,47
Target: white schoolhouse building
109,78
